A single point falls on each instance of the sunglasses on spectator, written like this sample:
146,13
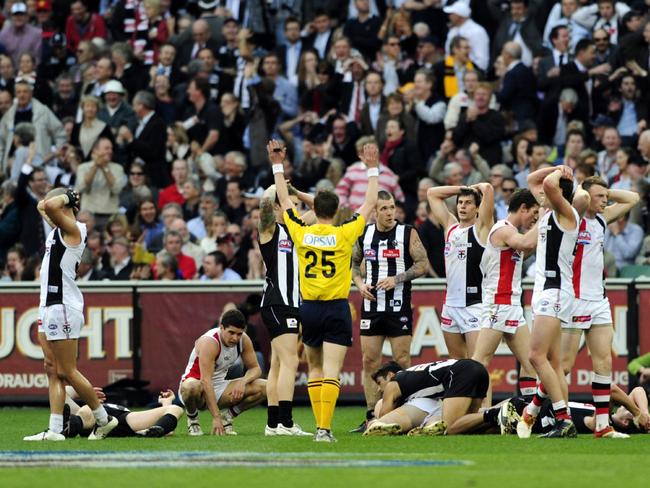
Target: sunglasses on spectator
598,39
509,190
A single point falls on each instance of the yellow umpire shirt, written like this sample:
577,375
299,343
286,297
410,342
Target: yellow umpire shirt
324,255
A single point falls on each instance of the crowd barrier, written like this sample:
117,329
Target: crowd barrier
146,330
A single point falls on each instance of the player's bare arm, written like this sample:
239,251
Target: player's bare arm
253,370
509,236
266,227
277,152
357,277
485,219
371,160
54,209
441,214
308,217
392,393
536,182
556,201
581,201
419,267
208,350
623,200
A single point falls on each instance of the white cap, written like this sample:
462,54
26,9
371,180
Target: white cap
208,4
19,8
114,86
459,7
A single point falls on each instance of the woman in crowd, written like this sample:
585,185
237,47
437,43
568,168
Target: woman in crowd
90,129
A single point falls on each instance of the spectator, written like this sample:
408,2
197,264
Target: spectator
549,66
82,25
199,226
116,112
150,33
147,142
623,239
605,14
202,118
100,181
234,207
285,93
319,33
128,69
450,72
217,228
630,112
177,144
65,100
462,25
15,267
201,38
433,240
166,267
606,165
173,192
562,14
18,36
214,268
394,108
98,78
49,130
518,26
503,196
517,93
606,52
166,66
121,264
631,172
344,136
363,30
555,117
189,247
146,221
9,223
32,187
86,133
173,242
27,71
538,155
351,189
191,192
290,51
6,99
482,125
25,149
575,144
374,102
7,73
429,111
236,256
135,190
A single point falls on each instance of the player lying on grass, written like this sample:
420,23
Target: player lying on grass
204,384
461,384
157,422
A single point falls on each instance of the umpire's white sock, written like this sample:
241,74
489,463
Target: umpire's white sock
56,423
101,417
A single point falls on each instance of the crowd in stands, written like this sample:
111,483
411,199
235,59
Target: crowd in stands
158,113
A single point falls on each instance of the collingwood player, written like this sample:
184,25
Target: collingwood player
461,384
324,256
279,310
503,316
592,313
465,239
553,291
393,256
61,309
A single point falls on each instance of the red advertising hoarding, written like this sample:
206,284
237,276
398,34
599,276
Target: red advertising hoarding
105,353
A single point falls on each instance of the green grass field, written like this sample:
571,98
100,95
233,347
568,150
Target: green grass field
487,460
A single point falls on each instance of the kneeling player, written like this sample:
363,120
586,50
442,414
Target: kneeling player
411,414
461,384
157,422
204,383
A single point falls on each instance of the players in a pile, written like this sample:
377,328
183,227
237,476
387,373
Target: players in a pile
61,314
592,313
204,384
324,256
393,256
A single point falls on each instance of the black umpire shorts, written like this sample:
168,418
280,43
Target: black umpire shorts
386,324
326,321
469,379
280,320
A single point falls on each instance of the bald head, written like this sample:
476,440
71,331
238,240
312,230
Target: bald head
512,50
200,31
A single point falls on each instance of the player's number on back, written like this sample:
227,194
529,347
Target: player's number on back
328,267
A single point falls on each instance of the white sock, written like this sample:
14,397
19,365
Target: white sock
101,417
56,423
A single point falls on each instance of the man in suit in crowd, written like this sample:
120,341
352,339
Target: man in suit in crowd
517,93
201,38
548,77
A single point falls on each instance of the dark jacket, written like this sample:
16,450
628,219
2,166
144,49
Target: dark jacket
9,229
150,147
487,130
32,233
517,93
124,115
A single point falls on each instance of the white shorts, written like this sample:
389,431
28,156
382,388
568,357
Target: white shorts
586,314
553,303
60,322
461,320
218,388
503,318
427,405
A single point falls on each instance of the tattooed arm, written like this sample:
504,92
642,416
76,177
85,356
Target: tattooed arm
357,258
266,227
419,267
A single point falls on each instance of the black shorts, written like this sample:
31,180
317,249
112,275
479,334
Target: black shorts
123,428
386,324
280,320
326,321
469,379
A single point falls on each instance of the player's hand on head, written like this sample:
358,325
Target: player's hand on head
73,199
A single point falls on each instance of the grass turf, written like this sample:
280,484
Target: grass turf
494,460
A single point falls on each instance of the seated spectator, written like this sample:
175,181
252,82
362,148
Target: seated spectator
190,247
87,269
15,265
146,220
199,225
116,226
116,112
172,244
217,228
236,255
178,144
65,100
25,149
234,208
100,181
173,193
7,73
191,192
607,158
120,265
135,190
214,268
87,132
18,36
624,240
644,254
166,267
394,108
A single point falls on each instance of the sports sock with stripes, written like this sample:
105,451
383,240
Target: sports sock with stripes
527,387
192,415
601,388
314,387
561,411
272,412
285,416
535,406
234,411
328,396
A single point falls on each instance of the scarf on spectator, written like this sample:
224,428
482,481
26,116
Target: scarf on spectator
450,81
389,149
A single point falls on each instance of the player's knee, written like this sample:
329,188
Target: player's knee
403,359
536,358
191,390
290,361
175,410
371,363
